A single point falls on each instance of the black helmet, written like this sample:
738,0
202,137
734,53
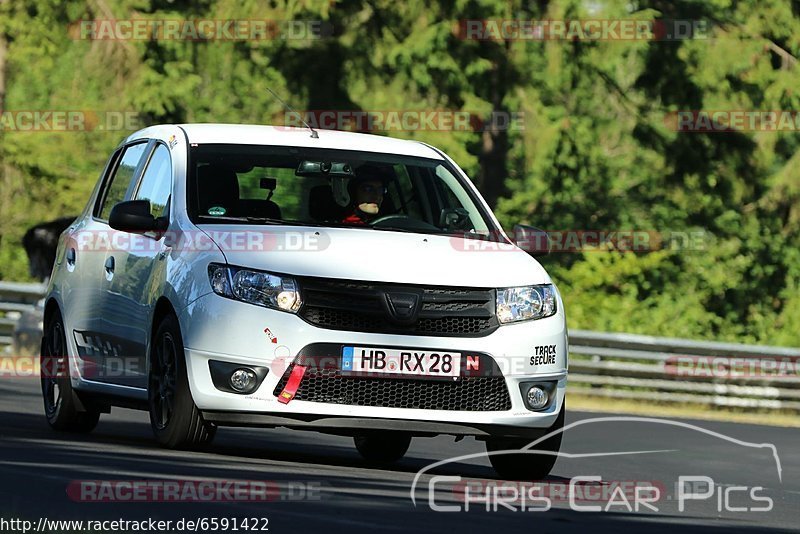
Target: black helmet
370,172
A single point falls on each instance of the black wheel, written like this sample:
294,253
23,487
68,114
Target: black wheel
174,417
526,465
382,447
62,406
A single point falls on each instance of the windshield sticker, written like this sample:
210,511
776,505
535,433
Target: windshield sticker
217,210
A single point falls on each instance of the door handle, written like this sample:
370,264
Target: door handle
110,265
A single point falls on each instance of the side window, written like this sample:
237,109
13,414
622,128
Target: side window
115,190
453,196
156,182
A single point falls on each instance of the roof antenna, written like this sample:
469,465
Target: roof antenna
314,134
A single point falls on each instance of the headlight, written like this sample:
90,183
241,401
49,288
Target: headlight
525,303
256,287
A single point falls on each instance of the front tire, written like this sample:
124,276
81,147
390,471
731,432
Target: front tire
63,408
174,417
526,466
382,447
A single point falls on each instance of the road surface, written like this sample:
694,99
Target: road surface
318,483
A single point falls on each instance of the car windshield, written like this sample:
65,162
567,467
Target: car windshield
243,184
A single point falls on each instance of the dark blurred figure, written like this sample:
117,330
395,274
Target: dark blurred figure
40,243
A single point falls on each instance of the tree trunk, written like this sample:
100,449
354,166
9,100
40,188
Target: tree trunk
493,155
493,158
3,53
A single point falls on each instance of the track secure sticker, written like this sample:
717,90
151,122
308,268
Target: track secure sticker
544,355
217,210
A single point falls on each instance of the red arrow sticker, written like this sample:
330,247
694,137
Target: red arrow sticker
271,335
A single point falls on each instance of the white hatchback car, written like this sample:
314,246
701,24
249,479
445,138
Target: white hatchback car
272,277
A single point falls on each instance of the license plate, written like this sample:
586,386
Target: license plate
411,362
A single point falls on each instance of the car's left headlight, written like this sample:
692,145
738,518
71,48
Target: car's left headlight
256,287
526,303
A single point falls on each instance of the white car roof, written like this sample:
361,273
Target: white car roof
247,134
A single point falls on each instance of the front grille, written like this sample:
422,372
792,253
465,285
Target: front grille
472,393
358,307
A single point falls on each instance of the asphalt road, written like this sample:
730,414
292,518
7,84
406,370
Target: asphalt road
323,486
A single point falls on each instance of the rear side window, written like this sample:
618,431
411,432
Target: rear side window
119,182
156,182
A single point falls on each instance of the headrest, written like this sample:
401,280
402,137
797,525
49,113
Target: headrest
217,186
322,206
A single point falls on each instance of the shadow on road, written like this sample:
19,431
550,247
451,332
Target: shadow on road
38,464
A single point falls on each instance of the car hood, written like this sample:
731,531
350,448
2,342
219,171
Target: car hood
376,256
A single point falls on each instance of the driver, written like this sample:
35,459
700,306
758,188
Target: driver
366,192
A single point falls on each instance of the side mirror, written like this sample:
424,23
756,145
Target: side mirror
454,219
532,240
134,216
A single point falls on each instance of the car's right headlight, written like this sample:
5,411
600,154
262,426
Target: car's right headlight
526,303
256,287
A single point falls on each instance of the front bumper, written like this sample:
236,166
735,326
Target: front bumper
220,329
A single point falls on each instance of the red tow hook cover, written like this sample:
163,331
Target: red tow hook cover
290,390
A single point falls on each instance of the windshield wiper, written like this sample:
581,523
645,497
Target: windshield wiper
449,233
398,229
265,220
229,218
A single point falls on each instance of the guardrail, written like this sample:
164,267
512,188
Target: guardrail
15,299
620,366
672,370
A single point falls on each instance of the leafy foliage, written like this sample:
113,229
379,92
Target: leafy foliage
596,152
